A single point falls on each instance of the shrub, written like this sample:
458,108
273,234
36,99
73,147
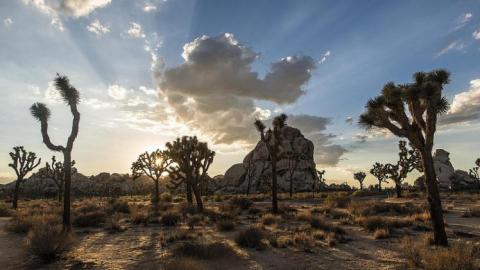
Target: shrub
254,211
306,217
88,208
113,225
194,220
20,224
270,219
251,237
381,233
371,207
304,241
170,219
48,241
166,197
4,210
139,216
319,223
225,225
117,206
338,199
89,219
202,251
364,193
241,202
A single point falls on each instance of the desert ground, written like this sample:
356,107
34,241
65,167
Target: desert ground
335,230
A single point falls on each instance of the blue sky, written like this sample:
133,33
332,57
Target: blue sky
117,54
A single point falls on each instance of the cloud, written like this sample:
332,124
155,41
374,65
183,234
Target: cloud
463,20
7,22
98,28
456,45
48,10
149,7
476,34
349,120
216,79
79,8
135,30
117,92
324,57
465,106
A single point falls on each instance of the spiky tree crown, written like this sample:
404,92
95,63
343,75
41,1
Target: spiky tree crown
152,164
22,161
40,111
359,176
422,96
69,93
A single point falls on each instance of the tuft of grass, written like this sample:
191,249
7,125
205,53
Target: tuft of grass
166,197
251,237
139,216
118,206
48,240
372,207
241,202
321,224
194,220
420,254
113,224
170,219
337,199
225,225
203,251
304,240
89,219
270,219
381,233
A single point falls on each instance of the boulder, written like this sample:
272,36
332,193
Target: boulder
447,176
254,174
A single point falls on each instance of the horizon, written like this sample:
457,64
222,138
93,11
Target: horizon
142,82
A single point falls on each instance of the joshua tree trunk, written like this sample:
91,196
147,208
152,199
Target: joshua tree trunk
67,165
379,185
15,194
433,197
189,191
198,198
157,193
274,184
60,193
398,189
361,185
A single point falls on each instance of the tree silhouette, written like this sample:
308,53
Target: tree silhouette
409,160
41,112
191,161
360,176
379,171
411,111
318,180
271,139
23,162
56,172
293,161
474,172
153,165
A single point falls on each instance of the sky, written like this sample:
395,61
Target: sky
149,71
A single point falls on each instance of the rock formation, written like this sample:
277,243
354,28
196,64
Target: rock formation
449,178
297,163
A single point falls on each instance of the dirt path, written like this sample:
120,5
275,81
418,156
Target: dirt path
12,255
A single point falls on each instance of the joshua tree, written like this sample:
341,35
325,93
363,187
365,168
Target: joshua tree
293,161
379,171
409,160
23,162
41,112
474,172
271,139
360,176
56,172
191,160
410,111
153,165
318,180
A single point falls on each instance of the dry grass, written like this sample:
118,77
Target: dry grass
304,241
170,219
270,219
5,210
373,207
114,225
322,224
381,233
89,219
225,225
47,240
420,254
472,212
338,199
251,237
242,203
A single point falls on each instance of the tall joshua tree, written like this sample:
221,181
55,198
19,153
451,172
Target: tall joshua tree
23,162
409,160
271,139
360,177
41,112
474,172
153,165
191,161
56,172
410,111
379,171
318,180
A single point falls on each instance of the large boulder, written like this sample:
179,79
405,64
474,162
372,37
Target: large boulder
254,174
447,176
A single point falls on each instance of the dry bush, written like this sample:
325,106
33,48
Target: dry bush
251,237
166,197
381,233
241,202
89,219
472,212
194,220
203,251
270,219
170,219
305,217
254,211
281,241
374,223
373,207
118,206
184,264
113,224
304,240
225,225
47,240
176,235
5,210
139,216
21,223
421,254
337,199
365,193
321,224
